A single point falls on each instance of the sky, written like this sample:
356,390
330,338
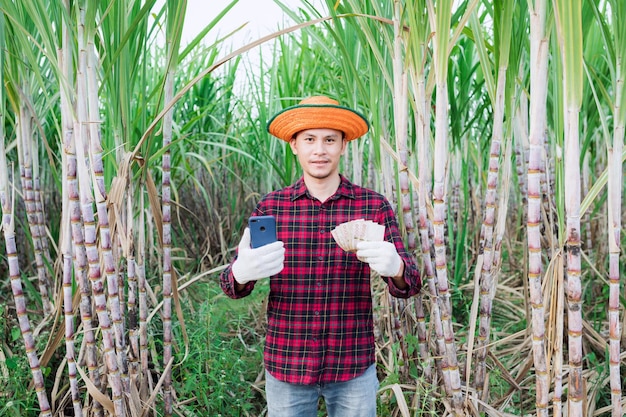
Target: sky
262,17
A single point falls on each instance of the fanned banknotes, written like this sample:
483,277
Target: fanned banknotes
349,234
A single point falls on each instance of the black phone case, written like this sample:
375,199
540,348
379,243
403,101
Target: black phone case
262,230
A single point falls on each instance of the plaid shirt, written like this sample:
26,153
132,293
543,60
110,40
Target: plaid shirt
320,322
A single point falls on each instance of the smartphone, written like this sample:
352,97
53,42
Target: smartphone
262,230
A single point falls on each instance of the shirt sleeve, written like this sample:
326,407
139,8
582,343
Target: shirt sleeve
411,277
411,271
229,285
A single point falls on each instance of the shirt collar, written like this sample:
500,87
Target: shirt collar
346,189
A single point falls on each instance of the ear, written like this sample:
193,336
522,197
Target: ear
344,145
292,144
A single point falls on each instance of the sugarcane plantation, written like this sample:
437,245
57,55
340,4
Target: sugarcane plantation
445,179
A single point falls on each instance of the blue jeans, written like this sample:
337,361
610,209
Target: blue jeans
354,398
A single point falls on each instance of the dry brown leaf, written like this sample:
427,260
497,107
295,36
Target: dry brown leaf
95,392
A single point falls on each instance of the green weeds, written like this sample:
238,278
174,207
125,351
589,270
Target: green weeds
16,399
225,355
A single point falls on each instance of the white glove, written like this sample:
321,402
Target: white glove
382,257
262,262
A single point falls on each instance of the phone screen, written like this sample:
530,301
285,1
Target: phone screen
262,230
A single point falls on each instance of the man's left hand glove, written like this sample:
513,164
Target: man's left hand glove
381,256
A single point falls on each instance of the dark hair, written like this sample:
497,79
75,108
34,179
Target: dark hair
343,134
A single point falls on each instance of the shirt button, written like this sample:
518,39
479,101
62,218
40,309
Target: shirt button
317,313
319,284
320,258
322,231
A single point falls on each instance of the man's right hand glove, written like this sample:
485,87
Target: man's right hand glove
382,257
257,263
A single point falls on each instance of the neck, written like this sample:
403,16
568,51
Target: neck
322,188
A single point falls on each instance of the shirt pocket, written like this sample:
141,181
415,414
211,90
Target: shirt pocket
348,264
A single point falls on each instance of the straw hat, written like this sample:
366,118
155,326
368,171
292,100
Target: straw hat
317,112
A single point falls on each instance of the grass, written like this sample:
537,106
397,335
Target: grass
16,399
225,354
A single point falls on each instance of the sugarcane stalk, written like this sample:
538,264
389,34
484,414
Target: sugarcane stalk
8,229
454,207
569,29
435,303
89,222
416,50
614,276
175,19
69,330
126,249
442,18
106,251
123,193
143,299
20,307
615,182
66,250
520,134
422,116
97,286
501,222
42,255
573,287
72,206
41,223
26,150
538,126
80,265
555,355
133,317
167,245
439,208
488,245
400,85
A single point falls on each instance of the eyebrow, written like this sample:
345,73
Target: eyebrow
330,136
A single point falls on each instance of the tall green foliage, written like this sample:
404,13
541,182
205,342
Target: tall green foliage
456,72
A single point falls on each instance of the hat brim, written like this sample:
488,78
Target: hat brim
285,124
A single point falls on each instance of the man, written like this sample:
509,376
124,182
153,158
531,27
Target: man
320,334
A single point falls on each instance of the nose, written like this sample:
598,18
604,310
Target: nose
319,148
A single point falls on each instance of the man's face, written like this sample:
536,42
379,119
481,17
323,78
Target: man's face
319,151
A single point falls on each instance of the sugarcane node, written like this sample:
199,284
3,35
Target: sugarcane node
573,248
573,306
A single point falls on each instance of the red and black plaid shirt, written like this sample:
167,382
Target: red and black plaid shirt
320,325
